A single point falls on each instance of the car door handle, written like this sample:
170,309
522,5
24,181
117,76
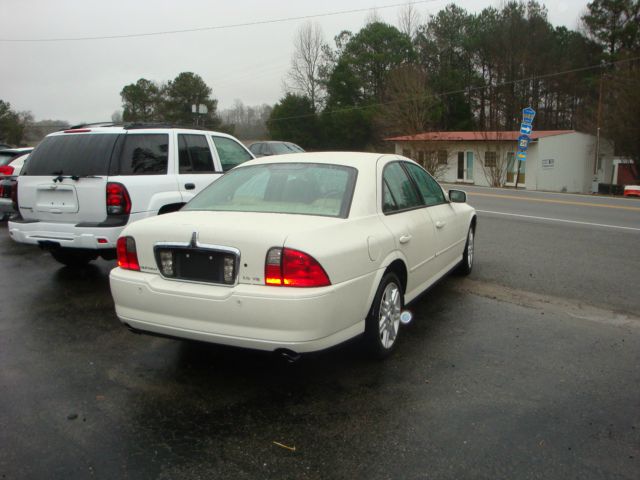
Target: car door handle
440,224
190,186
405,238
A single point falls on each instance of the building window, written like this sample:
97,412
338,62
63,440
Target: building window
442,157
490,159
421,157
406,152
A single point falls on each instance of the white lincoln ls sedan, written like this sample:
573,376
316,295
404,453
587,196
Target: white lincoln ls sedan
295,254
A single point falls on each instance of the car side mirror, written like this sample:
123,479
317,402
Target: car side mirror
457,196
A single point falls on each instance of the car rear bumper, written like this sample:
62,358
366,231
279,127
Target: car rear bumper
248,316
67,235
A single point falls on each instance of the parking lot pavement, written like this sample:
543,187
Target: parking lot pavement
499,376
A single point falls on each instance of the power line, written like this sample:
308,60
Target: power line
214,27
439,95
463,90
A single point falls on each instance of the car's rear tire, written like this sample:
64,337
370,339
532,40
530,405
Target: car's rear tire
383,322
466,265
72,258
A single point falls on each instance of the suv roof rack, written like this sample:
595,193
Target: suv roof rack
135,125
94,124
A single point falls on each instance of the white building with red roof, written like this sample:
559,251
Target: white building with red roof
557,160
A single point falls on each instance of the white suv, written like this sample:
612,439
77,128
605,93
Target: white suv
82,186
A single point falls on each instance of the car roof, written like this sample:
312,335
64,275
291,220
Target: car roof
359,160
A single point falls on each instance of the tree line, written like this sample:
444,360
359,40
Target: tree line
462,71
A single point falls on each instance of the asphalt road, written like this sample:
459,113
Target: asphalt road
582,247
529,369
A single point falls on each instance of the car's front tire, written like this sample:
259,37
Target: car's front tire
71,258
383,322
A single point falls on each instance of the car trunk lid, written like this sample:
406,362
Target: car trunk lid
251,234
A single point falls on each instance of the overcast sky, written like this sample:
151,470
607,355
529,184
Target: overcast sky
81,80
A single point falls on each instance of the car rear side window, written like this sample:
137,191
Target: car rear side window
230,152
144,154
194,154
73,154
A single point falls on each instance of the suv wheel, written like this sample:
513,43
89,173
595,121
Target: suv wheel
71,258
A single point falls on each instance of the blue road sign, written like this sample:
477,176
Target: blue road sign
523,142
522,156
528,114
525,129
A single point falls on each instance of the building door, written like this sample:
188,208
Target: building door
465,166
469,172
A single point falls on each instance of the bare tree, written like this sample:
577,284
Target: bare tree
410,105
496,157
304,75
408,20
433,163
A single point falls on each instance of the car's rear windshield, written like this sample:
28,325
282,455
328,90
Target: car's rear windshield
298,188
73,154
282,148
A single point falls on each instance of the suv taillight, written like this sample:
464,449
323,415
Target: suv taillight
292,268
127,253
14,196
118,200
6,170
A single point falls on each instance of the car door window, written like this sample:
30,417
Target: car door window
231,153
255,148
399,192
265,150
194,154
144,154
429,188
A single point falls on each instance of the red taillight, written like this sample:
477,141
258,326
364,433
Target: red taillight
292,268
118,200
14,196
127,254
6,170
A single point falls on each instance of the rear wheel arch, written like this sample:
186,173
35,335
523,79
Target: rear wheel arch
400,269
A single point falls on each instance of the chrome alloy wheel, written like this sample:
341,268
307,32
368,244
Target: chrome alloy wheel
389,321
470,248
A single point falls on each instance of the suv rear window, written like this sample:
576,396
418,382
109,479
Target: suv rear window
72,154
143,154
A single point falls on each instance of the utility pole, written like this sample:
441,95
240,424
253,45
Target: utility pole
597,159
